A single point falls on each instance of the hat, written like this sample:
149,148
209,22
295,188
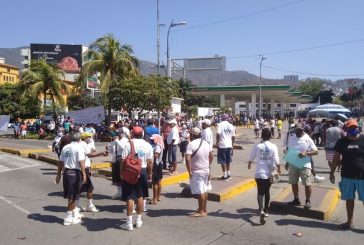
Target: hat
292,125
137,130
113,133
350,123
173,121
207,122
225,117
195,131
85,135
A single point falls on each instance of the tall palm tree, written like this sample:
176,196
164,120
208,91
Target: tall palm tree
112,60
47,80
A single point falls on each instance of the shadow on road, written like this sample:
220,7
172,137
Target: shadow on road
55,209
247,214
169,212
101,224
45,218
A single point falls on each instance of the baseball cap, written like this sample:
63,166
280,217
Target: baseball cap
195,131
207,122
85,135
225,116
137,130
351,123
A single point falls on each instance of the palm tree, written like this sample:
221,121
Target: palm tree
112,60
46,80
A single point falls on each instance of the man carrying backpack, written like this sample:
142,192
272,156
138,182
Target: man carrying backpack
137,191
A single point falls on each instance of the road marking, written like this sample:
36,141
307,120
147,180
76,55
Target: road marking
11,163
14,205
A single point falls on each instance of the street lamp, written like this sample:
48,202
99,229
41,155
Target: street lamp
260,85
173,24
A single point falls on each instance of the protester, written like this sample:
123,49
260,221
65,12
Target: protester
165,132
266,155
279,127
173,141
139,191
198,160
184,140
72,165
306,147
333,134
90,152
55,145
158,146
150,130
351,151
225,138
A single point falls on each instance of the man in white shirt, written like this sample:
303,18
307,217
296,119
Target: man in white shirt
89,148
225,139
198,160
173,141
207,133
305,145
138,191
72,163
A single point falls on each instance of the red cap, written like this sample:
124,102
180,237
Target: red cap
137,130
351,122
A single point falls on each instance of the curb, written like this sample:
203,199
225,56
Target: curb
25,152
324,211
232,191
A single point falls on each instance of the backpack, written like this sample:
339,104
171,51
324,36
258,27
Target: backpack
132,166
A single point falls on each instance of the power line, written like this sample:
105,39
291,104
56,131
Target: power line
299,50
314,74
241,16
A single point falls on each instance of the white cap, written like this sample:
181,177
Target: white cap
195,131
207,122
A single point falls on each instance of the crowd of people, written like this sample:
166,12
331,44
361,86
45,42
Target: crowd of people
156,148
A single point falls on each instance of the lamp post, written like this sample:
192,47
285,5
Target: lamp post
173,24
260,85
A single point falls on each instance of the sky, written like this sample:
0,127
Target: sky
309,38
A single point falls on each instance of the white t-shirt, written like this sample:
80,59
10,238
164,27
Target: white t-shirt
266,154
143,149
173,135
226,131
126,131
200,161
87,147
159,149
305,143
112,150
272,123
71,155
207,135
256,124
121,145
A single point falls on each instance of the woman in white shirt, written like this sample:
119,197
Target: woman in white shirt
266,158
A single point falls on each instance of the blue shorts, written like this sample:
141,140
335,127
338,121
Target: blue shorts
224,155
172,154
348,187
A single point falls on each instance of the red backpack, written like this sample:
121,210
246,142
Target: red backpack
132,166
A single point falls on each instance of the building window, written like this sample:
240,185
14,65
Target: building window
8,70
26,65
278,105
292,105
26,57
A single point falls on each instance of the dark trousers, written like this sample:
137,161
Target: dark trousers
165,153
263,186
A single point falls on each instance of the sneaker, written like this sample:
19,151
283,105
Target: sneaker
262,216
307,205
92,209
224,178
138,223
229,176
127,226
116,196
144,209
266,213
71,221
77,214
295,202
318,179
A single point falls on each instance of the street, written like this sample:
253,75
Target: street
32,211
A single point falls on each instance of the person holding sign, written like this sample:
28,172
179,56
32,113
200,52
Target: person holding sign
305,147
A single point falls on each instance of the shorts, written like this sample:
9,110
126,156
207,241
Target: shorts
23,133
329,155
224,155
199,182
157,173
172,154
115,172
72,182
348,187
135,191
88,186
295,173
183,146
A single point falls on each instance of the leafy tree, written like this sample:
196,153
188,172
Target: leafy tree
113,61
142,93
17,106
82,101
46,80
311,87
325,96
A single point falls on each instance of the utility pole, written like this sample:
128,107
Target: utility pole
260,85
158,39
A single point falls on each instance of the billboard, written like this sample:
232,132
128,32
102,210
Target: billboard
65,56
89,115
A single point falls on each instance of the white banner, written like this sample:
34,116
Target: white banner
4,122
90,115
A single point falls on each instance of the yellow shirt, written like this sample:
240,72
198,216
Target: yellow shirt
279,124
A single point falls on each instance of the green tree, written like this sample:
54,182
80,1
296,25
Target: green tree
82,101
113,61
17,106
46,80
311,87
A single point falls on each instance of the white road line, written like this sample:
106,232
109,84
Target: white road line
12,169
4,169
14,205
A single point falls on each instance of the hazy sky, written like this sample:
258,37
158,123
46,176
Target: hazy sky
304,37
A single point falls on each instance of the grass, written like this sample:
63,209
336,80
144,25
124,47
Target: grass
34,136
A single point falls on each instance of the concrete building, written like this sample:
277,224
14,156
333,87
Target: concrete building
291,78
8,73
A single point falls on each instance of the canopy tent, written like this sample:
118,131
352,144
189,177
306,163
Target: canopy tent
329,110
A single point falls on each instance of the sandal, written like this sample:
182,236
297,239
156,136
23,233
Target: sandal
345,226
152,202
197,215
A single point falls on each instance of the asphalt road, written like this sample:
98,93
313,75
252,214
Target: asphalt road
32,212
